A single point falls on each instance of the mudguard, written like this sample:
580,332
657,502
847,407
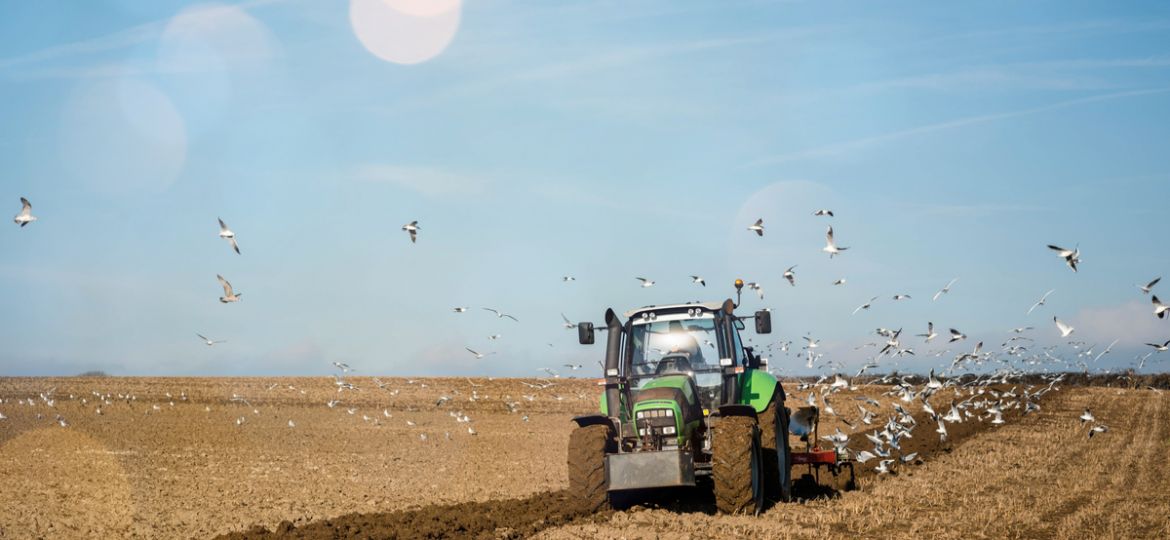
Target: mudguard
736,410
593,420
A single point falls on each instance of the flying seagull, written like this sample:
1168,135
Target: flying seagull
831,246
645,282
228,294
500,314
25,216
839,282
1041,302
930,333
209,342
944,290
460,309
569,325
699,280
477,354
1071,256
1160,348
227,234
957,336
1065,329
823,213
865,305
901,297
790,275
1150,285
412,229
758,227
1160,309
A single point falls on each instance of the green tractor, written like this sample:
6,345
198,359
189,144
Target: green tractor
684,399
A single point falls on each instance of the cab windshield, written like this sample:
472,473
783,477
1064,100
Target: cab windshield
677,346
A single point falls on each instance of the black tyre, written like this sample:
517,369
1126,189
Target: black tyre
736,467
777,455
587,448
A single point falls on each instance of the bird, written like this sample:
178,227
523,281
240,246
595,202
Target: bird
1087,416
209,342
1160,309
494,337
1146,289
342,366
25,216
699,280
1160,348
1071,257
831,246
460,309
569,325
957,336
1100,428
901,297
1065,329
573,367
1040,302
790,275
645,282
839,282
758,227
865,305
478,355
501,315
823,213
227,234
567,279
944,290
930,333
412,229
228,294
291,424
883,466
758,288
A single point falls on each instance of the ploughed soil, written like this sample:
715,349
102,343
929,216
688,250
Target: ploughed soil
208,457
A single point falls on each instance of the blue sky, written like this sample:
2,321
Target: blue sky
601,139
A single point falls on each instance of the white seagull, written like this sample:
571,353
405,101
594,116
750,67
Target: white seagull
1160,309
1041,302
567,279
790,275
758,227
865,305
412,229
1071,256
823,213
839,282
477,354
930,333
957,336
831,246
500,314
227,234
209,342
699,280
1065,329
944,290
25,216
645,282
569,325
1150,285
228,294
1160,348
460,309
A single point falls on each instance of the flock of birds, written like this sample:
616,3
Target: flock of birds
977,402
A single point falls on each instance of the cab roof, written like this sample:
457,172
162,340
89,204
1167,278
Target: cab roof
709,306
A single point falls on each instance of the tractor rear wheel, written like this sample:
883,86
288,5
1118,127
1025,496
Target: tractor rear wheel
736,465
777,455
587,448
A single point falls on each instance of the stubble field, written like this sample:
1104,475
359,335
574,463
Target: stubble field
183,458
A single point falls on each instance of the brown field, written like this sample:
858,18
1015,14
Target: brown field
188,470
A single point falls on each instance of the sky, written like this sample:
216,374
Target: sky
600,139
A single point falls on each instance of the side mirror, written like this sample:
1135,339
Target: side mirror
585,335
763,322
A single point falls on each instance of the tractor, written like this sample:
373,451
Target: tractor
684,399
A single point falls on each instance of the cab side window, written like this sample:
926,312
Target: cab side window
740,358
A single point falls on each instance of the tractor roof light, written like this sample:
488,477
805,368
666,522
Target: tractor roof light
738,284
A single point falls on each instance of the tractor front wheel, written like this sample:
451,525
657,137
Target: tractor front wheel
736,467
587,448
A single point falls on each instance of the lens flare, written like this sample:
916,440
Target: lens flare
405,31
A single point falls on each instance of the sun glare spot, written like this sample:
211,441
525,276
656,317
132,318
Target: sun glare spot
405,31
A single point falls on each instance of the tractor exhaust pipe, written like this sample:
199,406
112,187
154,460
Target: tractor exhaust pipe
613,354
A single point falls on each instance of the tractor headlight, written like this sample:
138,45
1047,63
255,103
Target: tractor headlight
668,430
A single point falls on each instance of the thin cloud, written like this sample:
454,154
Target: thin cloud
866,142
428,181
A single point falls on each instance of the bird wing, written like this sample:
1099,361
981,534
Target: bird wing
829,235
201,336
759,222
26,207
1056,248
492,310
235,246
1152,283
471,351
227,287
510,317
222,226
